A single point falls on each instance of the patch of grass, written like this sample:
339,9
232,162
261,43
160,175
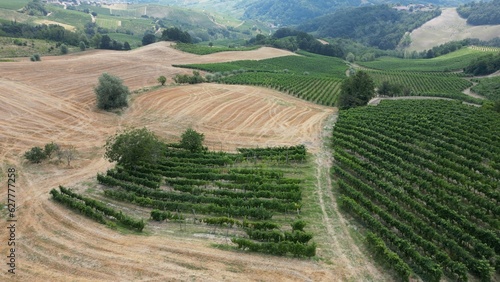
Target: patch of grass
110,24
134,41
8,49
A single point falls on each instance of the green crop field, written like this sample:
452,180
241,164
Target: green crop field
134,41
453,61
205,49
311,77
13,4
105,22
488,87
74,18
212,189
423,178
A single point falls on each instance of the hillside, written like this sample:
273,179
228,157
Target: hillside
378,26
482,13
449,26
54,101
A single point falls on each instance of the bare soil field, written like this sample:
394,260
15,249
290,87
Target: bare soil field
449,26
53,100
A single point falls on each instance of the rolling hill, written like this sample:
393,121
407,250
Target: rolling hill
449,26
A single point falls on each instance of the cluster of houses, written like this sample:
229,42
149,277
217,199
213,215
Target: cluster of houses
415,7
67,3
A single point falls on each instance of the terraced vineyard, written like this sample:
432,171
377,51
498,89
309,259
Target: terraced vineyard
450,62
424,178
218,189
310,77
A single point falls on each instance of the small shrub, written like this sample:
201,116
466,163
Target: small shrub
35,155
35,58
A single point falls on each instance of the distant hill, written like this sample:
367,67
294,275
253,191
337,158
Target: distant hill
481,13
379,26
292,12
449,26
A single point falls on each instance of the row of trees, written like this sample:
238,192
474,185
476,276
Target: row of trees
169,34
37,154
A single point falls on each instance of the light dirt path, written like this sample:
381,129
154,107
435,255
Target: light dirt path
348,259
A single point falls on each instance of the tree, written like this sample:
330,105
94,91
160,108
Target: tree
192,140
126,46
35,58
111,93
64,49
350,57
132,147
82,46
356,90
148,39
69,154
162,79
105,42
35,155
50,148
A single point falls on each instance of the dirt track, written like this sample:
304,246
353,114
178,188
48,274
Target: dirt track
53,101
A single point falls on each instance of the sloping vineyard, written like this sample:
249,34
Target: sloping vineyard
447,85
310,77
450,62
221,189
424,178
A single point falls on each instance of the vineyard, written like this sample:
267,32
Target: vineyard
450,62
488,87
214,189
311,77
205,50
448,85
423,177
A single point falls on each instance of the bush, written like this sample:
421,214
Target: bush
35,155
64,49
184,78
111,93
35,58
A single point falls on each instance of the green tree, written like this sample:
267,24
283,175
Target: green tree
133,146
192,140
148,39
350,57
162,79
35,155
356,90
50,148
126,46
35,58
111,93
64,49
82,46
